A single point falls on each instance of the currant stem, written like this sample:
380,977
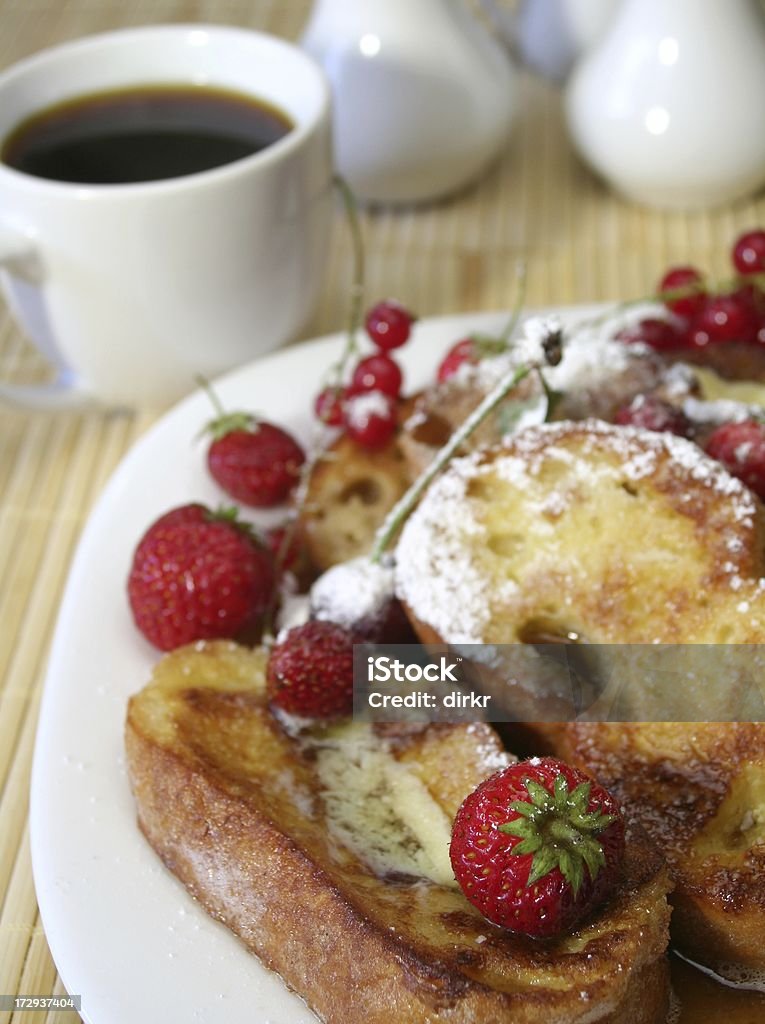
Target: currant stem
205,385
319,448
520,299
686,292
359,268
404,506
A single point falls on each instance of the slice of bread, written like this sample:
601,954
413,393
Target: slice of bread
350,491
326,853
621,538
615,534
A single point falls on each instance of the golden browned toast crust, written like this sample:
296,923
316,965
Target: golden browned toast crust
699,790
233,806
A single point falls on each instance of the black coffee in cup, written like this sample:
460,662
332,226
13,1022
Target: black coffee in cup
142,134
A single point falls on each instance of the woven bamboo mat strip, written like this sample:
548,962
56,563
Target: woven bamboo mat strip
580,242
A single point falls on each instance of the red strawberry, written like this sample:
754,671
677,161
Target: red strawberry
197,574
537,847
255,462
310,671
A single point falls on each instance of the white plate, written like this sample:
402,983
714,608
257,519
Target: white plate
123,932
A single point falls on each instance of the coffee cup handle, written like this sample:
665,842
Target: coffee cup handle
19,255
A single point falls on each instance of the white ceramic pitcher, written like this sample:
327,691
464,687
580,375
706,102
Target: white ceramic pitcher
668,107
550,35
424,96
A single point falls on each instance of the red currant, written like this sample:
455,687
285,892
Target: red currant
727,318
651,413
329,406
752,299
658,334
370,418
749,253
378,373
697,337
740,447
459,354
681,278
388,324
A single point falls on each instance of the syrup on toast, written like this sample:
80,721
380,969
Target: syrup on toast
326,853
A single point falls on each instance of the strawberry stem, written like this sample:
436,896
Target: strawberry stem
224,422
559,831
205,385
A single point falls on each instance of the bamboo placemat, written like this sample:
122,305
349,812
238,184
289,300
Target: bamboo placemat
580,243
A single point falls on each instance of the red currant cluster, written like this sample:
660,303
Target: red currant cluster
366,407
703,317
739,446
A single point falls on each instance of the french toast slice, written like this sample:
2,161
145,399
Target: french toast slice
350,491
621,538
619,534
699,791
326,853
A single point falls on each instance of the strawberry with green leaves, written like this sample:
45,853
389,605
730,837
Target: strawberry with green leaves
537,847
199,574
255,462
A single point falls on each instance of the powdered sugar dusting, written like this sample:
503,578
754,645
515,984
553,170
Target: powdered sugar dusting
435,542
439,537
678,380
294,610
591,354
488,755
639,451
353,592
359,409
722,410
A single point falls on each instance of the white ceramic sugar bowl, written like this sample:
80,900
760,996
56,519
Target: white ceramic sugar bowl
423,95
668,107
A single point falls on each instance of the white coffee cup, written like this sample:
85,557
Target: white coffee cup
132,290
